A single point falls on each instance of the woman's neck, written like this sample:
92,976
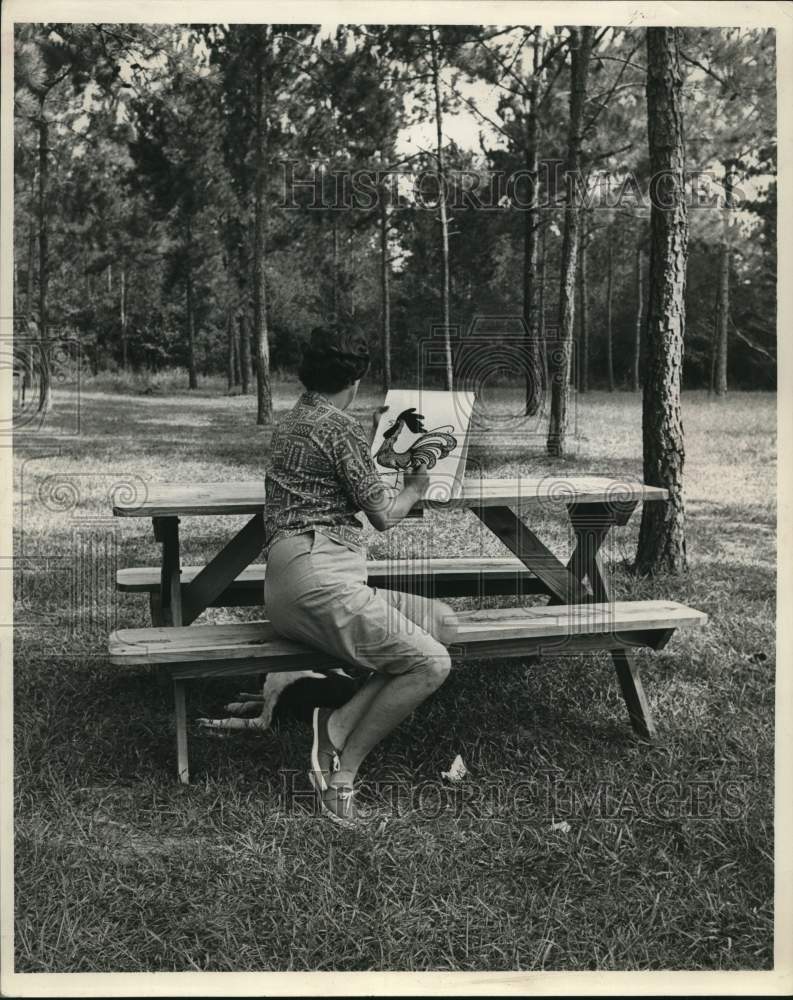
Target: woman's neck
342,398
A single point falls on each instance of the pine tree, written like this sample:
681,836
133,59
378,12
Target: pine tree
662,543
580,50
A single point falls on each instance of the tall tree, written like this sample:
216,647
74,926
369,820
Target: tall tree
662,542
581,43
264,70
435,68
610,306
583,308
262,52
725,263
637,342
531,231
541,287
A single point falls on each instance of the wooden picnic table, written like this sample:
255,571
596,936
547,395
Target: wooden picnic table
594,504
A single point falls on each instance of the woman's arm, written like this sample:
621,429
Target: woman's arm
384,506
393,509
384,516
376,414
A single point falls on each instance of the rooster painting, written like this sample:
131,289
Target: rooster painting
424,452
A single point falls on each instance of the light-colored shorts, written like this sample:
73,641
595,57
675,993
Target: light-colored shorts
315,592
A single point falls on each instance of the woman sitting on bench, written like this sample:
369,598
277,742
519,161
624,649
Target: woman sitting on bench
321,475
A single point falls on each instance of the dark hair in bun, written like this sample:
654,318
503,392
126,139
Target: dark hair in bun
336,355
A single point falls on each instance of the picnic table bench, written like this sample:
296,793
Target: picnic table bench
580,617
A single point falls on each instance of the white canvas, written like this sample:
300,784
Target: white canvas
428,428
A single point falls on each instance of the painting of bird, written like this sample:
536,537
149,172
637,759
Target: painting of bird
424,452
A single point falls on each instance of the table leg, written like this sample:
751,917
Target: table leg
591,524
166,532
221,571
633,693
155,608
561,582
182,763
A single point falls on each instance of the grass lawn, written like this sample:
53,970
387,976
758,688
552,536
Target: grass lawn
665,856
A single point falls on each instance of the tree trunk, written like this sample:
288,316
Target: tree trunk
541,309
235,333
349,284
253,355
583,305
264,400
246,365
725,257
246,370
231,351
45,387
385,284
637,337
16,291
580,49
720,381
609,307
662,544
447,343
714,342
191,369
123,310
335,267
29,282
531,241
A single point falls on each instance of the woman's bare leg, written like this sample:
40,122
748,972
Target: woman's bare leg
434,617
397,697
345,718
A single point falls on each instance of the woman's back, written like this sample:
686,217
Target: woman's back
320,472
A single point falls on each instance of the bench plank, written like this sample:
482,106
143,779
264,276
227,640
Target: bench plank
142,579
525,649
575,619
258,641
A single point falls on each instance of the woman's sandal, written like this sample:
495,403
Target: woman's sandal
324,755
337,802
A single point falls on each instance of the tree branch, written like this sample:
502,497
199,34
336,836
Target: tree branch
621,73
476,110
642,69
750,343
710,72
549,88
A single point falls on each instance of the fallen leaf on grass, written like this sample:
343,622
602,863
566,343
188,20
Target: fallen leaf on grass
457,771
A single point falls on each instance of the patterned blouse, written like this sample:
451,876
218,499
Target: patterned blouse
321,475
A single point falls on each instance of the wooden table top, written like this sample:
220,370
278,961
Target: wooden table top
545,492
